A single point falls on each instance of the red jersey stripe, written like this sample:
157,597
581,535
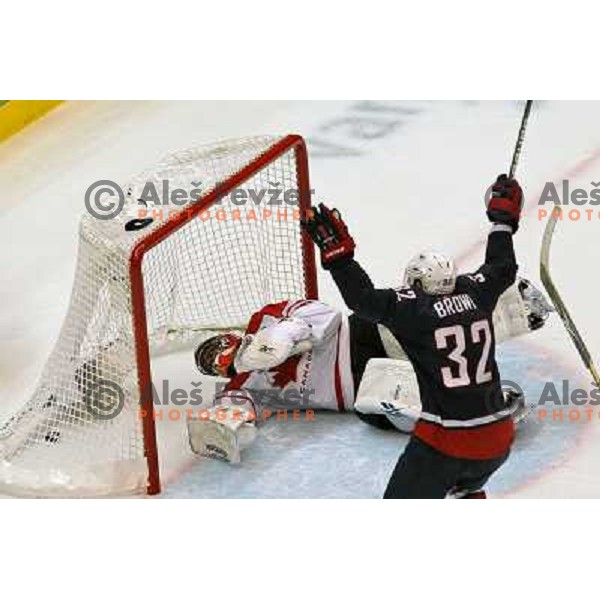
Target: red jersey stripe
476,443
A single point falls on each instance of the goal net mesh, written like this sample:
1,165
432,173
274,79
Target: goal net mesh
81,433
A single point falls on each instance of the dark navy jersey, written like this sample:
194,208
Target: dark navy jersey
450,342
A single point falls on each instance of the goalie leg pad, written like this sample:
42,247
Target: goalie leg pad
223,434
389,387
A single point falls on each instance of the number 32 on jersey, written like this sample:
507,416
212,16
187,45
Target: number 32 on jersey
455,337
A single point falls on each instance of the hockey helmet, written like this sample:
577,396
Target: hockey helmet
434,271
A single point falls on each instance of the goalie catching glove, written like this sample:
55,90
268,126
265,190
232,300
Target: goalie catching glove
329,232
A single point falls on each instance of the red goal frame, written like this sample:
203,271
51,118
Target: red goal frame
142,350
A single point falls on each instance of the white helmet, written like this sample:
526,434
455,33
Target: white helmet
435,272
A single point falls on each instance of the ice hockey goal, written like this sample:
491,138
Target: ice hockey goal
143,287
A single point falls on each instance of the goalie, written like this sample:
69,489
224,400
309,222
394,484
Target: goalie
307,355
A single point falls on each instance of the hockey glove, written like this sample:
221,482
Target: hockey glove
329,232
506,202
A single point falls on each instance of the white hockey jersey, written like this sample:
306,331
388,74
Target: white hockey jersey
294,355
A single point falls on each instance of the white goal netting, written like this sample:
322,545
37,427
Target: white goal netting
82,432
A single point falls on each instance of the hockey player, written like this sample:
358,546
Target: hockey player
295,355
444,323
388,393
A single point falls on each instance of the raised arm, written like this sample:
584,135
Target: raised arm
331,235
500,266
499,271
359,293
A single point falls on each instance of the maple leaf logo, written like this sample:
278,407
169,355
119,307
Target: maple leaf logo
286,372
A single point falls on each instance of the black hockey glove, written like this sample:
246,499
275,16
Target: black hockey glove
329,232
506,202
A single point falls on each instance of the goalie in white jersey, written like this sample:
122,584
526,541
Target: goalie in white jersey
304,354
293,356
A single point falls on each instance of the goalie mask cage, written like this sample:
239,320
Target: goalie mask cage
89,428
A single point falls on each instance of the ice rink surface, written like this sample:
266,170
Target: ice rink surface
406,175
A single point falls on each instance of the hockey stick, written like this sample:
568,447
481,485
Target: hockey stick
561,309
545,276
520,139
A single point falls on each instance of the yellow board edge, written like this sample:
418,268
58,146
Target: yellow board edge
17,114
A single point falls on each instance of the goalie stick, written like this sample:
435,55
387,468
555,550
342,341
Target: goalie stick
556,299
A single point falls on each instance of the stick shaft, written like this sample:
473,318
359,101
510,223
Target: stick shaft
520,139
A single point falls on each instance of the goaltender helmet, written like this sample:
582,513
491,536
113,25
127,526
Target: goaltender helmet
215,355
435,272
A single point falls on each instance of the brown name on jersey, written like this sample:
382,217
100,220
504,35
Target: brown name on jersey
452,305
